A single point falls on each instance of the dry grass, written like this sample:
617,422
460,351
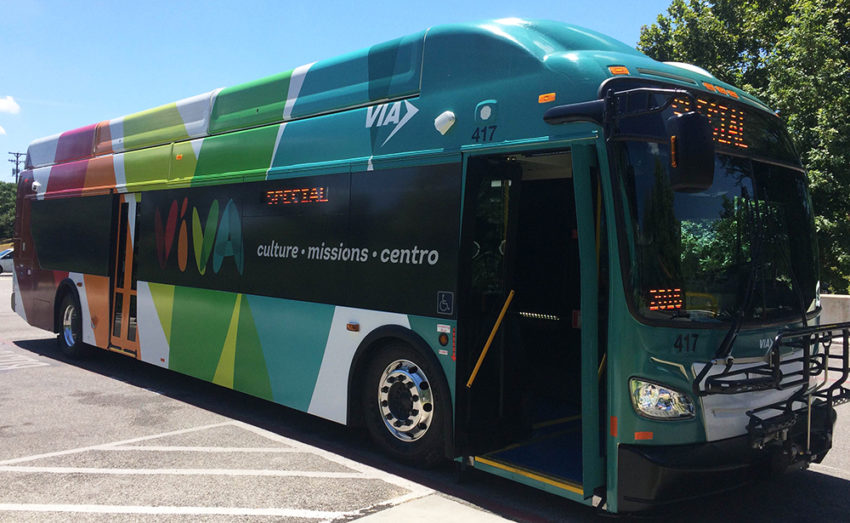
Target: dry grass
5,245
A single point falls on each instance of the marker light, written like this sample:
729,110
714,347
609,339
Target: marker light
618,69
658,401
546,98
717,89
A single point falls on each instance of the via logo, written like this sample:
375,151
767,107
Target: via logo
219,237
390,114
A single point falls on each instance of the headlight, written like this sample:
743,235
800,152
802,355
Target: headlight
659,402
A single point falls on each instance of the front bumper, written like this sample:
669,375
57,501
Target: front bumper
650,477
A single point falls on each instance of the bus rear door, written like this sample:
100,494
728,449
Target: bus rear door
123,333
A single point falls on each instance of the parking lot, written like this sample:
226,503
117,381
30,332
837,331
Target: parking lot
112,439
107,439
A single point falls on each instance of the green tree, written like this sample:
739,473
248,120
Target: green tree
795,55
7,210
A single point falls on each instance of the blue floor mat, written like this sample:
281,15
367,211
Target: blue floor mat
554,449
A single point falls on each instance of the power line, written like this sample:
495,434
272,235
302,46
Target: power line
17,161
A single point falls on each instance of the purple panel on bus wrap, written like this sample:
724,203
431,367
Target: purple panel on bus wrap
76,144
68,177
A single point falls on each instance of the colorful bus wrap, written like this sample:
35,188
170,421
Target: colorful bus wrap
517,244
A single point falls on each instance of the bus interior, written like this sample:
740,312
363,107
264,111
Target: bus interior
523,408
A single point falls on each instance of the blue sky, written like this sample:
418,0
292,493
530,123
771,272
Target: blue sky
66,64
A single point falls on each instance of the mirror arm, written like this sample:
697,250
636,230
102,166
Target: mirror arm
605,111
593,111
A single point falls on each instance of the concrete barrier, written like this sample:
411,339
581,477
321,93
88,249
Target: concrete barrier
836,308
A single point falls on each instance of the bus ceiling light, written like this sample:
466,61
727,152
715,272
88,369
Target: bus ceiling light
444,122
659,401
617,70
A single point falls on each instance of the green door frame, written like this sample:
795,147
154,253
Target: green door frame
585,160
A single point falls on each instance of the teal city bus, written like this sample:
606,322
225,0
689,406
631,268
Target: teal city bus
519,245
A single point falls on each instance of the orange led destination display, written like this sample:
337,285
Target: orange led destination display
295,196
727,123
665,299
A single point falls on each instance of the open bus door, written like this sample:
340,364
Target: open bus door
529,409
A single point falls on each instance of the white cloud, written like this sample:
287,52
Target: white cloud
9,105
2,131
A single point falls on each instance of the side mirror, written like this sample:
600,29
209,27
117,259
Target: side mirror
691,152
592,111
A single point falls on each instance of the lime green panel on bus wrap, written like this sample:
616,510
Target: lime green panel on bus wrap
154,126
272,348
146,168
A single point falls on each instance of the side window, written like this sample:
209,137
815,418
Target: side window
73,234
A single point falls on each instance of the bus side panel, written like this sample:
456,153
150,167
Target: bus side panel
61,237
270,287
294,353
94,294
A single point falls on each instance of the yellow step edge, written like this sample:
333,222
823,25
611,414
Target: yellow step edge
565,485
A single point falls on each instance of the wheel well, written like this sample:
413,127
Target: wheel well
371,344
66,287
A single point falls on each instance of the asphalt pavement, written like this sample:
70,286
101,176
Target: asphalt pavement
79,442
112,439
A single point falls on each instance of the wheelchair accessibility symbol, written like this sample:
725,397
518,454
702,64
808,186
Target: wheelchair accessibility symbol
445,303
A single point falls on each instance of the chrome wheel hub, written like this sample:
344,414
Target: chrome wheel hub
405,400
69,320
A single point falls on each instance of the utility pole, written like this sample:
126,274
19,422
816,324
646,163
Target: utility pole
19,158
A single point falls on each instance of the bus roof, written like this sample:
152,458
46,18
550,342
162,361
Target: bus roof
502,54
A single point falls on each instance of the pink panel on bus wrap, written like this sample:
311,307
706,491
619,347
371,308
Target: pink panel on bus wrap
68,178
76,144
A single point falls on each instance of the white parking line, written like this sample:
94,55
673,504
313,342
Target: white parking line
193,511
10,360
106,446
359,472
371,472
153,448
185,472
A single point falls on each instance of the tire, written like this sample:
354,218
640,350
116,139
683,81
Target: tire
70,322
405,403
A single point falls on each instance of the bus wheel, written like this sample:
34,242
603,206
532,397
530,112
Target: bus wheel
70,322
405,405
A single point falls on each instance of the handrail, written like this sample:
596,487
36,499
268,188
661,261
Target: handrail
490,339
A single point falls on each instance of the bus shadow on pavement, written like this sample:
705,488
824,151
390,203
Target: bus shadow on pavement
505,498
800,495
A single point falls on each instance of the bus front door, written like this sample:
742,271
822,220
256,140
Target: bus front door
523,413
123,333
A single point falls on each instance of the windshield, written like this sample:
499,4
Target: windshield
692,256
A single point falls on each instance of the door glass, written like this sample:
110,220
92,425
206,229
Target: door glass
116,322
490,241
122,247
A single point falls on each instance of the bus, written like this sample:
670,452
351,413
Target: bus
519,245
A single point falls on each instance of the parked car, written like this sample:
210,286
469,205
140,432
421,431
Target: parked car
6,262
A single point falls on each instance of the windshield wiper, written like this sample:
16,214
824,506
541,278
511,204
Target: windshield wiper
680,313
725,347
